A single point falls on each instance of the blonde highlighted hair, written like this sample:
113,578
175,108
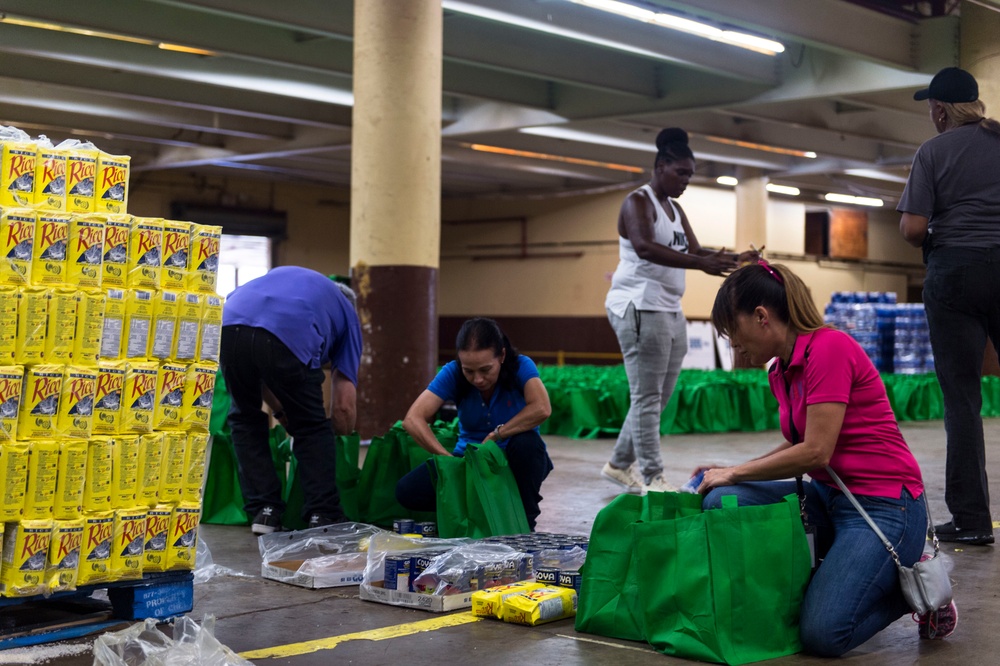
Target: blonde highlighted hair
963,113
775,287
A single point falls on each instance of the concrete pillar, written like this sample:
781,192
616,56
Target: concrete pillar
979,52
396,202
751,208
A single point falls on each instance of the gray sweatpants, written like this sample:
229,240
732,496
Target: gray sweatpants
653,346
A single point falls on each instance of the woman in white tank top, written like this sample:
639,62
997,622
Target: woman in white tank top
656,245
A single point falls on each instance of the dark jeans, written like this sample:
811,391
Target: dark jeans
528,460
855,592
962,299
251,357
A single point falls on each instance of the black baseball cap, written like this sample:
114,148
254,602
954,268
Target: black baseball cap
952,85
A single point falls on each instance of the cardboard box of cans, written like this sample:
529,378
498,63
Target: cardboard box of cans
406,581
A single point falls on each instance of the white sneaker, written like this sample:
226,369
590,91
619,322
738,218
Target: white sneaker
629,478
659,485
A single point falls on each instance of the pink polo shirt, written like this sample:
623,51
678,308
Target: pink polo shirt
871,456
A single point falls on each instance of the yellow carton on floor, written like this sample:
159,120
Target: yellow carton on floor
211,330
17,239
489,602
81,167
95,551
43,466
196,404
8,324
115,262
89,326
145,245
85,263
172,466
63,562
60,331
157,528
76,402
17,174
176,246
124,471
42,387
97,487
138,397
182,540
11,389
25,552
111,183
188,332
194,467
32,321
108,397
14,471
50,178
170,379
112,332
127,546
165,309
545,604
203,264
68,501
138,323
150,463
48,253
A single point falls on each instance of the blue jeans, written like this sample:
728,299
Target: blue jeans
962,299
653,348
251,357
855,593
529,462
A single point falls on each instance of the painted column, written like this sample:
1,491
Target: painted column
751,208
396,202
979,52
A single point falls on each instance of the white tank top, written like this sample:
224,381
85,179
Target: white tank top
649,286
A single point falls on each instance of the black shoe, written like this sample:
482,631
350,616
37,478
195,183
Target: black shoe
322,520
266,521
952,534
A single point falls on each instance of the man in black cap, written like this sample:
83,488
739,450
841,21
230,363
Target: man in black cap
951,208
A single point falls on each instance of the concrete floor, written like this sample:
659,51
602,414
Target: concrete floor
253,613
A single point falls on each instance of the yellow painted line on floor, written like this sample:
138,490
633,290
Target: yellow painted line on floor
293,649
606,643
996,524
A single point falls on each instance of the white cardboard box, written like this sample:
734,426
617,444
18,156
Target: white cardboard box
293,573
701,346
427,602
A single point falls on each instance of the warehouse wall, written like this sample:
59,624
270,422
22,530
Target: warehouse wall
551,285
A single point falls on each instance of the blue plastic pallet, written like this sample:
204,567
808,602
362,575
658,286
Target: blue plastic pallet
155,595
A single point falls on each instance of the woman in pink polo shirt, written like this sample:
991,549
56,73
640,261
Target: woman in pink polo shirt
834,411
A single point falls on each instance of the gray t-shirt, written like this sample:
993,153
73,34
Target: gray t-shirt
955,182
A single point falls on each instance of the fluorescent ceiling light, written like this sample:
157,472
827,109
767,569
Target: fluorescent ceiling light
497,150
521,22
876,174
716,34
57,27
849,199
783,189
730,181
761,146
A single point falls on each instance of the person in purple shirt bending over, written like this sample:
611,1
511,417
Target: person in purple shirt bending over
278,333
500,398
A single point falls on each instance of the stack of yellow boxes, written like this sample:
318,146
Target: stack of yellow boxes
109,344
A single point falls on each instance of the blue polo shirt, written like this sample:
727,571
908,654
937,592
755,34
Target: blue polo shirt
476,417
306,311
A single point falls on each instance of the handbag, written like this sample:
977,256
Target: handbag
925,585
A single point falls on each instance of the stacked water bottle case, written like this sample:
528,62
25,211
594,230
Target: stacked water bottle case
894,335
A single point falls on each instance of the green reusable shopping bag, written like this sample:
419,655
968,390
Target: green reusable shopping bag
608,602
725,585
347,476
477,495
389,459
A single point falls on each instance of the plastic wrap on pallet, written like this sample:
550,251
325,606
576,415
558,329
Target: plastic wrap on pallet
385,543
341,547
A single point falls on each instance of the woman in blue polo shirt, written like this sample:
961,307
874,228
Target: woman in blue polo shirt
500,398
